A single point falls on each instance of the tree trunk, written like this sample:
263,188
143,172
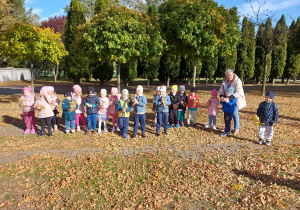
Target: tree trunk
263,90
206,81
199,79
195,71
282,80
273,81
287,80
215,80
32,77
189,82
168,80
55,72
125,83
148,82
119,76
295,79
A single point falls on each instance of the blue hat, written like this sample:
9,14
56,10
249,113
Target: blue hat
181,87
230,91
271,94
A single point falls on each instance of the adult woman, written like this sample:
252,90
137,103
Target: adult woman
232,80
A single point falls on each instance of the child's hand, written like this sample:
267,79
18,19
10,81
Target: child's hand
226,100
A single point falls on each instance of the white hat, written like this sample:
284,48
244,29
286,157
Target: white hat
163,88
125,91
139,87
158,88
103,91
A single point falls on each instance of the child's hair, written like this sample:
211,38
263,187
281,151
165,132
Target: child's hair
214,92
193,90
28,88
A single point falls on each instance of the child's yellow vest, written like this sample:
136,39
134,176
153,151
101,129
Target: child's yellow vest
121,113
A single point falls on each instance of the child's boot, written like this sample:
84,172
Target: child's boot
32,131
42,133
55,128
105,126
67,131
27,131
113,129
207,126
118,128
85,127
176,125
78,128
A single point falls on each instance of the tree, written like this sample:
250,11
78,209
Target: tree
76,64
6,17
295,36
102,71
208,68
198,29
149,69
129,72
169,67
187,69
101,5
29,43
122,35
57,23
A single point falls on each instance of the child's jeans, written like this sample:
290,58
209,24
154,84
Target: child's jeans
181,115
212,119
228,118
139,119
29,119
69,123
123,125
162,117
82,118
192,113
269,132
92,121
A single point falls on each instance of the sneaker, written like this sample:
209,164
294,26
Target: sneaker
207,126
188,125
118,128
214,127
85,127
170,126
223,134
78,128
165,132
143,136
42,133
125,136
236,132
73,131
88,132
67,131
27,131
268,143
133,136
176,125
105,129
157,134
32,131
50,134
99,130
114,129
182,124
260,141
55,128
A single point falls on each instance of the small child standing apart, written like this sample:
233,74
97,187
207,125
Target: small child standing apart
102,110
124,106
268,114
92,103
77,96
154,105
182,105
212,111
45,112
54,103
112,109
228,109
139,104
193,103
27,102
173,108
162,103
69,112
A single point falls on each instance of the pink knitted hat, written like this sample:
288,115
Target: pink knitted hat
50,88
27,89
44,90
214,92
114,90
76,89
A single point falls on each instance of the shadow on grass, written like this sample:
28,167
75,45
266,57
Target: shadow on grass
269,179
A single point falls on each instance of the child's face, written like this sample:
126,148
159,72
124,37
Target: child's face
213,96
51,93
114,93
139,92
268,99
227,95
91,94
103,95
173,91
162,93
157,92
124,96
181,92
68,98
193,93
26,93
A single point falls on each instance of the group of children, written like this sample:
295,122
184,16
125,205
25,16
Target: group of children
169,109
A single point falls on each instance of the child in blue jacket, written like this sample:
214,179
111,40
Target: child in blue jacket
228,109
69,113
92,102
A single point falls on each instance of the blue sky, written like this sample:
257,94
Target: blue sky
290,8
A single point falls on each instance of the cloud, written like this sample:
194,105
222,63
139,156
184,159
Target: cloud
37,11
59,13
27,2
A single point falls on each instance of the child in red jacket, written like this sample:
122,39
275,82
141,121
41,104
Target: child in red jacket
193,103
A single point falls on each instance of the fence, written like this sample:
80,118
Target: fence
14,74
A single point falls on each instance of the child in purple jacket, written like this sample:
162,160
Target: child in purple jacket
212,111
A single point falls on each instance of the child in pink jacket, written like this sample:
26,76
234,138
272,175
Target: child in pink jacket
27,102
77,96
212,104
112,109
102,110
54,103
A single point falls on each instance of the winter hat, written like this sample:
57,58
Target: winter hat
163,88
91,90
103,91
77,89
214,92
139,87
271,94
194,90
68,94
114,90
50,88
43,90
27,89
181,87
158,88
125,91
230,91
175,87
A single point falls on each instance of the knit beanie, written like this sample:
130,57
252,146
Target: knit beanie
91,90
27,89
114,90
50,88
125,91
68,94
214,92
43,90
194,90
158,88
175,87
103,91
139,87
271,94
163,88
77,89
230,91
181,87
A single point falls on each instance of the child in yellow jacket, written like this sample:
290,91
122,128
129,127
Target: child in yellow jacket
124,106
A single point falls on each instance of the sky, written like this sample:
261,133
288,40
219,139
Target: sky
274,8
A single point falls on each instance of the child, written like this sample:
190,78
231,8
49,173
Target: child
45,112
69,112
54,103
77,96
139,104
162,103
212,111
92,103
173,108
182,105
193,103
154,106
102,110
228,109
27,102
268,114
124,106
112,109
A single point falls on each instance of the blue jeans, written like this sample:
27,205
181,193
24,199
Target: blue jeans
92,121
139,118
227,118
69,123
162,117
236,118
54,120
212,118
123,124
